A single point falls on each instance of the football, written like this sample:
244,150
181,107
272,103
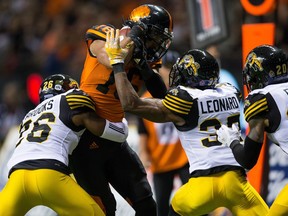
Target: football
124,32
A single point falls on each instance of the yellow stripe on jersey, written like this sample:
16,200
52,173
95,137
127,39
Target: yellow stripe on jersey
82,97
97,33
76,101
177,105
256,108
189,103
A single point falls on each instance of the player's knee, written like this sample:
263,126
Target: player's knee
145,207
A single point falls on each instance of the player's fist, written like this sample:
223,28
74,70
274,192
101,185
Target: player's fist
227,135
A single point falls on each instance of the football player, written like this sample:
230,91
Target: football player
39,173
265,74
197,105
98,162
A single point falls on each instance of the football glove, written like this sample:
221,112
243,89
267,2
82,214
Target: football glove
113,49
138,33
227,135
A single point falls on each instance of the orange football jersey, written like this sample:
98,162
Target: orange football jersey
98,80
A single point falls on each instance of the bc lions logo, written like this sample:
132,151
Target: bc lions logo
188,61
254,62
137,14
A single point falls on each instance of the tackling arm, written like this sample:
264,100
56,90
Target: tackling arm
114,131
151,109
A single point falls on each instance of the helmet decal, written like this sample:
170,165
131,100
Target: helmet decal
73,84
140,12
254,62
189,61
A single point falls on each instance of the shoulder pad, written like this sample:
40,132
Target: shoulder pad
98,32
229,86
178,101
78,99
255,105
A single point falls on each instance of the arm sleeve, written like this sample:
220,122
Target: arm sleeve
141,126
156,86
247,154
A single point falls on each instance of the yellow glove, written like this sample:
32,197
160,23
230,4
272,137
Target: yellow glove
113,49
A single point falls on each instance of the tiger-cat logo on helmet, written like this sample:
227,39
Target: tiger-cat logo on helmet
254,62
189,61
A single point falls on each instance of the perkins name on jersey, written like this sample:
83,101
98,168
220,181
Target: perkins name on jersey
40,109
219,105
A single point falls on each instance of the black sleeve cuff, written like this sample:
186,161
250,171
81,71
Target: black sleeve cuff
118,68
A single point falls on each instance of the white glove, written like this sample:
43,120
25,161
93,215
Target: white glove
116,131
227,135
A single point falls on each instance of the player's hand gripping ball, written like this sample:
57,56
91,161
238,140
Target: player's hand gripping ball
114,51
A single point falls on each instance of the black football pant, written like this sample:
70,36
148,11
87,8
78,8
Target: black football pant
96,162
164,185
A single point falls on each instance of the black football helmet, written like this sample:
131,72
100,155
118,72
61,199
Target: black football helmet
265,65
160,29
196,69
56,84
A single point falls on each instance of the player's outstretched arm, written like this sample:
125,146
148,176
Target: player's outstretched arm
151,109
114,131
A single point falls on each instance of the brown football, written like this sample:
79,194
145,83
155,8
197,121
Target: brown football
124,32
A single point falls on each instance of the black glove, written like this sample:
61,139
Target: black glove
138,33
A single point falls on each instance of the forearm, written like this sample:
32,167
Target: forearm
128,96
247,154
97,49
150,109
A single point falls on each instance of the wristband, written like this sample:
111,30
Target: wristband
234,143
115,131
118,68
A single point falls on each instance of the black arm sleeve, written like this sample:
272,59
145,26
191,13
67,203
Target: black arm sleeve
156,86
247,154
141,126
